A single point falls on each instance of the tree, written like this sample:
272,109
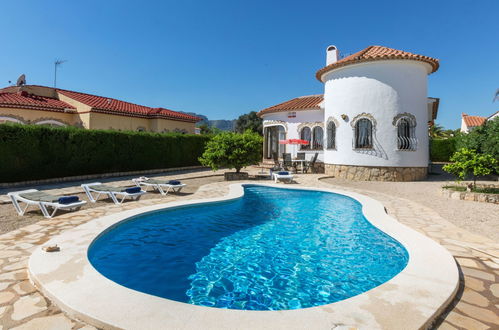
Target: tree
232,150
249,121
206,129
483,139
468,162
437,131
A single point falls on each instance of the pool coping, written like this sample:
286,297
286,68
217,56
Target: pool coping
410,300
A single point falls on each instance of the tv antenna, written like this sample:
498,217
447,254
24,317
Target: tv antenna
56,64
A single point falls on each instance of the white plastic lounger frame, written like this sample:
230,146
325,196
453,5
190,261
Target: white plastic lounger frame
17,199
159,186
111,194
281,177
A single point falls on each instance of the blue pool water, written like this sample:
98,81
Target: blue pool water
273,249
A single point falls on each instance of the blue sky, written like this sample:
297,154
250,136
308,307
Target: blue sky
226,58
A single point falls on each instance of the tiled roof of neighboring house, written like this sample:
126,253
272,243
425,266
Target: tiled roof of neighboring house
109,105
377,53
25,100
473,121
299,103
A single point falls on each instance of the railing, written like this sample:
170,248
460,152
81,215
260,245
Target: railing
407,143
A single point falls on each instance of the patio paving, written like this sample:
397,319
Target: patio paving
475,307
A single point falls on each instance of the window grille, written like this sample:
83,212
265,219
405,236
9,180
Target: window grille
331,135
318,138
306,134
406,139
363,134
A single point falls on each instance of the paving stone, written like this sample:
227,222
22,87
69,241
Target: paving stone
491,264
4,285
446,326
27,306
478,273
59,322
16,265
6,296
474,298
474,283
9,253
494,288
9,276
478,313
465,262
87,327
24,287
465,322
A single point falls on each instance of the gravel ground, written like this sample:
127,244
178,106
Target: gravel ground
476,217
10,220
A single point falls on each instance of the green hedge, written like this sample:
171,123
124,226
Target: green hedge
30,152
442,149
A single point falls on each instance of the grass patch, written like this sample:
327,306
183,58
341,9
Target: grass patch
476,190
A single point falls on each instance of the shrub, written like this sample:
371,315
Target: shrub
483,139
30,152
232,150
442,149
468,162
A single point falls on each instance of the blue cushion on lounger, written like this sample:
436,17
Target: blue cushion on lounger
174,182
132,190
68,199
283,173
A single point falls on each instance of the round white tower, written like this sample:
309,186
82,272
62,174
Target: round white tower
376,114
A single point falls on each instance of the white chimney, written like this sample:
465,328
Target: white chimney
331,55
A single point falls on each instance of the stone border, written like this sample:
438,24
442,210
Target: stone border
376,173
470,196
412,299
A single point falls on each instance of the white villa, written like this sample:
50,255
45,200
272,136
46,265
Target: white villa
372,121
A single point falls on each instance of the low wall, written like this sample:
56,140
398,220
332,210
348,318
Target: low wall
371,173
472,196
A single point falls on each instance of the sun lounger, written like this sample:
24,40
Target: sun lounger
282,176
117,194
163,186
44,201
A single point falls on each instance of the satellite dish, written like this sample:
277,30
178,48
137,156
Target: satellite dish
21,80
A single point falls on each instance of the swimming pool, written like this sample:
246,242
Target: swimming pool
272,249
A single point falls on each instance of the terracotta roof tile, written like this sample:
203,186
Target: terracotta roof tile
30,101
299,103
109,105
473,121
376,53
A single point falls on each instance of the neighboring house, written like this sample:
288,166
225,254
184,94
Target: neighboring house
31,104
470,122
372,121
494,115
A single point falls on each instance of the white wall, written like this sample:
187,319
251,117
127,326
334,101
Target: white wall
382,89
302,116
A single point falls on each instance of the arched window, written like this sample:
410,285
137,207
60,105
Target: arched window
406,139
306,134
363,134
331,135
318,143
6,119
51,123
